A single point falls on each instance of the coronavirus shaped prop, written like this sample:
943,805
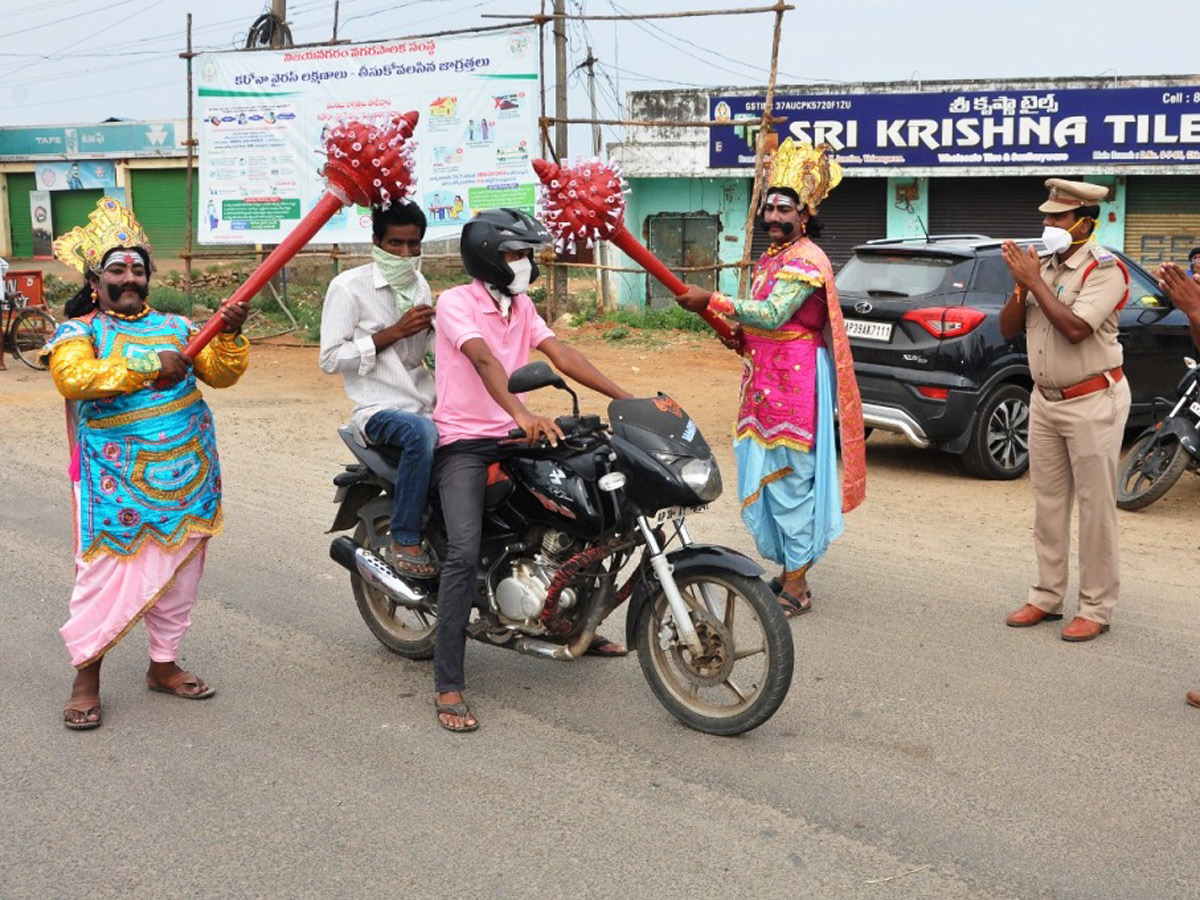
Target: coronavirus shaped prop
581,204
585,203
370,164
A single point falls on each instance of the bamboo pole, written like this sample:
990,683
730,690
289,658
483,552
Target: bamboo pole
760,150
777,8
190,210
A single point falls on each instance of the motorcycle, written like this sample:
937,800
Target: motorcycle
561,524
1160,454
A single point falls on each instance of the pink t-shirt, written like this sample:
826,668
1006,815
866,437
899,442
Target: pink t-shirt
464,407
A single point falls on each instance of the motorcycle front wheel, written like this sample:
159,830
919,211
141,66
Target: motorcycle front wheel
744,670
1149,469
406,632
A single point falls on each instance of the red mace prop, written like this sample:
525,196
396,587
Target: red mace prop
586,203
367,164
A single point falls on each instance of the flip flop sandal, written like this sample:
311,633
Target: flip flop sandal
793,605
775,585
83,705
176,683
598,645
459,709
419,565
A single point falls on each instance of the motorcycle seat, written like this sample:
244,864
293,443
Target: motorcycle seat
382,460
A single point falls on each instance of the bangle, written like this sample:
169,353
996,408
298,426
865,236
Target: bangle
719,303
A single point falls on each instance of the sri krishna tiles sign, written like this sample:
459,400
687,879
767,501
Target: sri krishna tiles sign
1102,126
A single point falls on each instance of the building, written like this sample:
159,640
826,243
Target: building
52,176
928,157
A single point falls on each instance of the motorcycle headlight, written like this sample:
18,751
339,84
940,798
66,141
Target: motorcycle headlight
703,476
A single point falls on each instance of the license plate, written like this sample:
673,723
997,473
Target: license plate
671,513
869,331
1195,408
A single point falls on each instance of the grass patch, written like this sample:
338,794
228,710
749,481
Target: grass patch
669,318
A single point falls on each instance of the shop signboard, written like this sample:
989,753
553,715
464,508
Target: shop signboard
1014,127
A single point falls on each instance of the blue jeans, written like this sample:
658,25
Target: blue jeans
416,438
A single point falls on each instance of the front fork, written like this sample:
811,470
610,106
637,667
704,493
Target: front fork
662,570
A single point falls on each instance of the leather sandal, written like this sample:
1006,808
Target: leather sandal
176,683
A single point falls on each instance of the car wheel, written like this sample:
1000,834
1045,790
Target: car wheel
999,447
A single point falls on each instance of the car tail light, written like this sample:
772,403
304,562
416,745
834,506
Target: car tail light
933,393
946,321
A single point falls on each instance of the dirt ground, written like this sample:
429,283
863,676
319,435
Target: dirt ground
278,430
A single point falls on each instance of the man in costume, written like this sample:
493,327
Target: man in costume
785,438
485,332
376,330
1068,305
147,482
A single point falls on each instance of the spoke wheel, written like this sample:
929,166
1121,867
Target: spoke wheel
30,332
744,668
407,632
1152,465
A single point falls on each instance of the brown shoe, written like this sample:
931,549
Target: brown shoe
1082,629
1193,697
1030,615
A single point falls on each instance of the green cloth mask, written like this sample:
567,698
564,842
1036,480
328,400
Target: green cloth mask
401,273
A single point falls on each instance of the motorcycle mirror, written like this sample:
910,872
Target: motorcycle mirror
533,376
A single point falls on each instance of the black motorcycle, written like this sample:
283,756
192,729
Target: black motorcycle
561,524
1161,453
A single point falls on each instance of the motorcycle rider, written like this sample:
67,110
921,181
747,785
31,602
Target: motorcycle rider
485,331
376,331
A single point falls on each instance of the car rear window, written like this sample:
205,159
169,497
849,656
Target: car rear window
877,275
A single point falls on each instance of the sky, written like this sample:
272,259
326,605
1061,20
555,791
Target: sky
96,59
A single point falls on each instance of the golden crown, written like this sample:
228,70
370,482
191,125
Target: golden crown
110,225
807,170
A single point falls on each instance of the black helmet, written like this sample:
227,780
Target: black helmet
493,231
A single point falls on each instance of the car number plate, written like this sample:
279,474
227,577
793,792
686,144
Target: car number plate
670,513
869,331
1195,407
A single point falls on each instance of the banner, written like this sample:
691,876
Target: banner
85,175
111,139
263,117
42,220
1061,128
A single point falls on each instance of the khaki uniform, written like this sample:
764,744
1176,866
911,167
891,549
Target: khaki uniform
1075,444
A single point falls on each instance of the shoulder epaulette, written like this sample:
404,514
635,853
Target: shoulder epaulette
1103,256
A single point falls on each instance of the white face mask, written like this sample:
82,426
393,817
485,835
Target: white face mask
1056,239
522,269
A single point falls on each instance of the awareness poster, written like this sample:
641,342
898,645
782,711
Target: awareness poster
263,116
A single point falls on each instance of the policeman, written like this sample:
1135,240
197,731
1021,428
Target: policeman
1068,304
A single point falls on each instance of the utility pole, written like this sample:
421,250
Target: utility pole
558,286
279,11
600,248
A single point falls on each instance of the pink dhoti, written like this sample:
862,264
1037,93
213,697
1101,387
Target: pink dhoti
112,593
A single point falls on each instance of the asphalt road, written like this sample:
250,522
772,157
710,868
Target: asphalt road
925,750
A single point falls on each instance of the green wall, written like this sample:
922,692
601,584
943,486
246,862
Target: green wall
726,198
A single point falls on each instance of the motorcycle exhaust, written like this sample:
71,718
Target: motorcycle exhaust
377,573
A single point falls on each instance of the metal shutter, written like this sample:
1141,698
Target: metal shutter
20,222
71,208
160,204
1162,218
1000,207
856,212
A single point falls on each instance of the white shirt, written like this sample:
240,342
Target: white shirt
358,303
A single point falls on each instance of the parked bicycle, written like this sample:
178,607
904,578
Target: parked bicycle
24,329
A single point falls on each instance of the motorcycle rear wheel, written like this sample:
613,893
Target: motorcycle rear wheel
1149,470
745,671
404,631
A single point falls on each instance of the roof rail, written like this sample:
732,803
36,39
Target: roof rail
932,239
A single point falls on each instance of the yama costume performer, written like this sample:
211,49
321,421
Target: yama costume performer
797,363
144,466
